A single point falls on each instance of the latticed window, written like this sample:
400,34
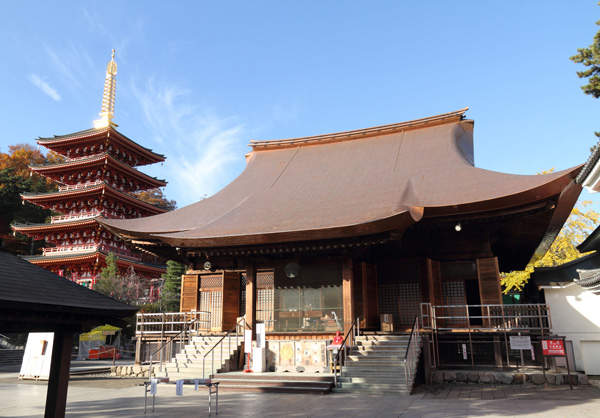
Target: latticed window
211,298
410,300
454,294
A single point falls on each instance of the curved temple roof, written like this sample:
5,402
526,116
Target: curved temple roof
348,184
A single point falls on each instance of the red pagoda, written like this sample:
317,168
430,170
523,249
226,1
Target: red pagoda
96,181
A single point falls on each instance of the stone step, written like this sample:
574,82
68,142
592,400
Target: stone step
274,383
376,358
316,390
369,379
371,390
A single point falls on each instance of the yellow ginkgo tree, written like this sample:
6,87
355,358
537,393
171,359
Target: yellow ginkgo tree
581,222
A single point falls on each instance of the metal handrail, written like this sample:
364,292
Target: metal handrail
212,350
355,325
187,328
524,317
497,318
169,322
411,356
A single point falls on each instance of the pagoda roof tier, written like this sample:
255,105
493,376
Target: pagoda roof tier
91,257
44,228
96,189
90,141
59,171
357,183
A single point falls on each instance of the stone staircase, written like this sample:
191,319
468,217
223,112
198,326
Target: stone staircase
376,365
188,363
11,356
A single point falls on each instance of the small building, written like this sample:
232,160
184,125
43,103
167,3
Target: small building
320,230
97,180
35,300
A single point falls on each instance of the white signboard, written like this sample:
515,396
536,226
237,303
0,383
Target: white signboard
260,335
248,341
520,343
38,356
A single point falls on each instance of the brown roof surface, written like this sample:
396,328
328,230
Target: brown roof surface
348,184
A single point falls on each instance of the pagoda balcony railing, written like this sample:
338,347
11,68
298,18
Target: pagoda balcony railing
79,248
79,186
84,157
74,216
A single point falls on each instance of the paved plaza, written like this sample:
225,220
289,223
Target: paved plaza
91,396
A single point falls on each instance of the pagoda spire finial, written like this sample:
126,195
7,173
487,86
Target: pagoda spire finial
108,99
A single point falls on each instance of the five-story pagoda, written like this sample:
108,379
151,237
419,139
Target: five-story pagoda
97,180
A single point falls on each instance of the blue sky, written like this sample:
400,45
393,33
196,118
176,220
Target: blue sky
198,80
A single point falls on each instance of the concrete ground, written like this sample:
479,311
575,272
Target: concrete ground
92,396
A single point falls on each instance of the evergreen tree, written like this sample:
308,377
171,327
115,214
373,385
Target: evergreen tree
590,58
123,288
172,287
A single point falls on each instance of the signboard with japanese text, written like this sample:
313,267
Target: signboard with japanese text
260,335
553,348
520,343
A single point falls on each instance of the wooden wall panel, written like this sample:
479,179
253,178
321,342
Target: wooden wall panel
231,299
489,281
370,296
189,292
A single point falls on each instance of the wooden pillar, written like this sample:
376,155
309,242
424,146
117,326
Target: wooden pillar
58,381
251,293
434,282
347,292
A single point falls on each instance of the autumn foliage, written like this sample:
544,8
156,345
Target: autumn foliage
579,225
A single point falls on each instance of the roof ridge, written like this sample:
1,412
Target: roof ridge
345,135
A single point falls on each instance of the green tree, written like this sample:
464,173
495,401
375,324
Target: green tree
579,225
590,58
123,288
172,287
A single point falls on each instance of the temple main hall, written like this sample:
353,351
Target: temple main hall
376,224
358,223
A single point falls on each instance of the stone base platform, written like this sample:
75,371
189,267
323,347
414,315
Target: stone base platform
535,377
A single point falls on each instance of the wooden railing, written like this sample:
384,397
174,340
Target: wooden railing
73,217
79,186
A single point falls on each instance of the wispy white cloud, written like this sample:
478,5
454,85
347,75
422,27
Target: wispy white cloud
201,146
45,87
63,63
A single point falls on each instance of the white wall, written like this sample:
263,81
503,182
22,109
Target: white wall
576,316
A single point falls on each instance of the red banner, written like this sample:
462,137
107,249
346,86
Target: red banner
553,348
